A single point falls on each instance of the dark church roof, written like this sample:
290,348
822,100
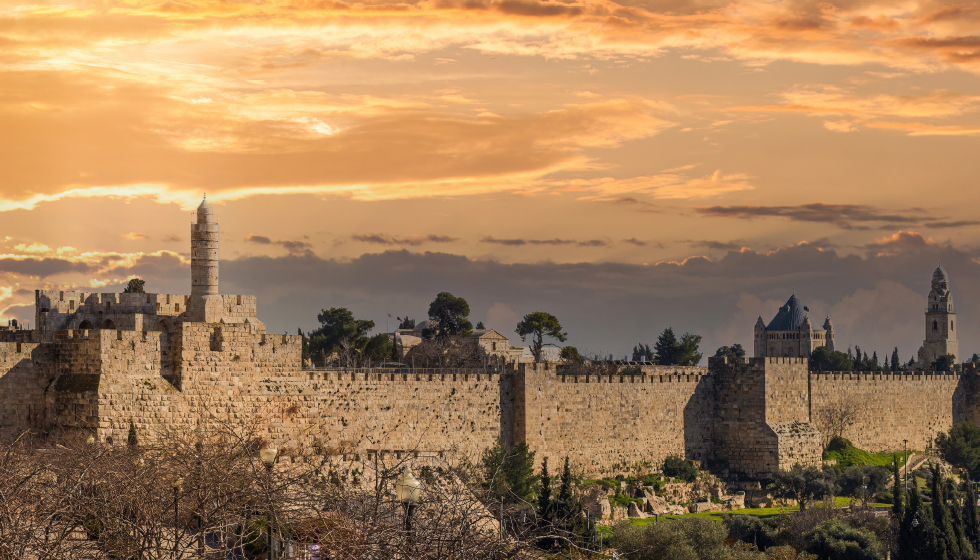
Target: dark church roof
790,316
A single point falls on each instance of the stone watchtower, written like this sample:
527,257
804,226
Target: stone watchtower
940,322
205,303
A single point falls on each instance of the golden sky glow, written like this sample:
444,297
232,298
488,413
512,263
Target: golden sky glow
515,132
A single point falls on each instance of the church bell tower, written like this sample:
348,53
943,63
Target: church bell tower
940,322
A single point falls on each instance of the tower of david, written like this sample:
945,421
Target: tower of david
97,363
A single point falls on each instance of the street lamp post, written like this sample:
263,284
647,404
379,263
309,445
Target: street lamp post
176,485
906,467
407,491
268,457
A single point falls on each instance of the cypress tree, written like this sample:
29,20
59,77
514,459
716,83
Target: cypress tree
895,361
131,439
898,504
563,506
546,512
568,510
944,535
971,523
956,514
914,532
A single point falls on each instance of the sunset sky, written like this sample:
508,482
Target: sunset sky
626,166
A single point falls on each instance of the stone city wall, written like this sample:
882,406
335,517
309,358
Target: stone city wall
749,416
609,423
889,408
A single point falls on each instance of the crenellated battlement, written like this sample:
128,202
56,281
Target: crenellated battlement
886,375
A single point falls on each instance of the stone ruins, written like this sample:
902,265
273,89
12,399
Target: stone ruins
98,362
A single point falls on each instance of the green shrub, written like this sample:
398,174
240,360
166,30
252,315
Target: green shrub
752,530
654,480
838,443
624,501
885,497
836,540
683,469
683,539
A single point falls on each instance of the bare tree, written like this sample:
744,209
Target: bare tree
446,352
834,418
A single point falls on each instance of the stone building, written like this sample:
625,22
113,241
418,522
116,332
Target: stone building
940,322
492,346
98,363
790,334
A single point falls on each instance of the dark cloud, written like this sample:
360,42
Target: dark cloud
382,239
956,224
841,215
635,241
556,241
719,245
295,246
41,267
171,239
291,246
876,300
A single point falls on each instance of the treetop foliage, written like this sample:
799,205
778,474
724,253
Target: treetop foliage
960,447
672,352
450,313
730,352
822,359
537,325
135,286
338,328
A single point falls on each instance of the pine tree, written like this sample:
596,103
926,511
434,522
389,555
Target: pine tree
895,361
971,521
519,473
874,362
898,504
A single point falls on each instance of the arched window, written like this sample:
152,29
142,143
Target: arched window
163,326
86,325
935,326
108,324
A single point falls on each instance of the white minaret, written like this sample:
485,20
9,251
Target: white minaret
204,252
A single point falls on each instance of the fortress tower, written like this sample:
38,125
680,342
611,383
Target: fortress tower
940,322
205,303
